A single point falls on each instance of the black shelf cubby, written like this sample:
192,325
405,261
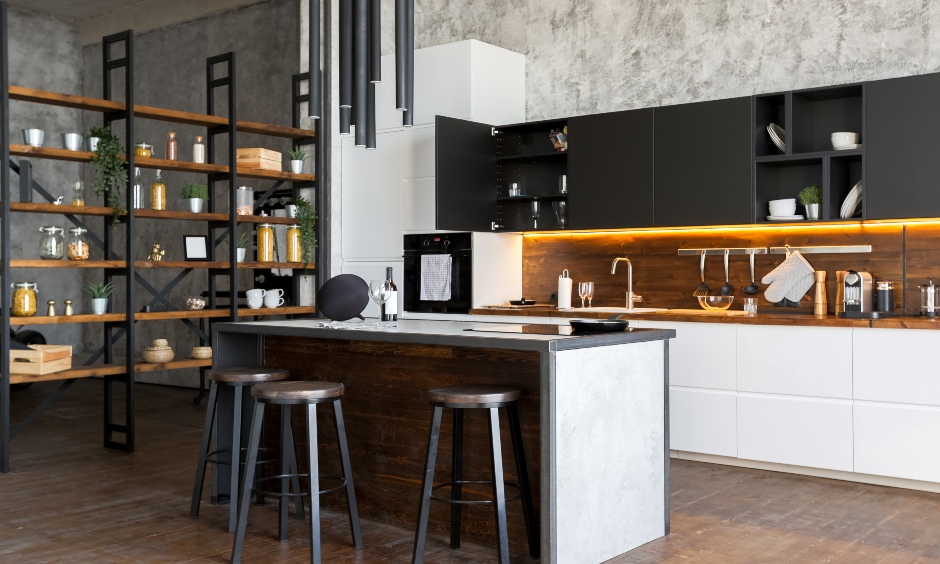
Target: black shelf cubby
845,171
819,112
768,108
784,179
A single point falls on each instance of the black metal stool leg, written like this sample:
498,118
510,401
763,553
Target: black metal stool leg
457,476
236,459
204,451
499,488
283,502
295,470
252,460
531,519
314,484
347,474
427,484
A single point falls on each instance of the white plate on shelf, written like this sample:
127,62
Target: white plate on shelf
784,217
852,201
778,136
846,147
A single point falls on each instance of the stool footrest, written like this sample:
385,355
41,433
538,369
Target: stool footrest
278,493
474,501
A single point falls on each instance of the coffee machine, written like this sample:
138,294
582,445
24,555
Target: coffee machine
857,294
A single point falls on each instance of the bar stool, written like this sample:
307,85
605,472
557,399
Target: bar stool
286,394
238,378
492,398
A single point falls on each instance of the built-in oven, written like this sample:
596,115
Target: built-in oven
438,273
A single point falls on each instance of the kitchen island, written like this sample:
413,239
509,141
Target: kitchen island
594,416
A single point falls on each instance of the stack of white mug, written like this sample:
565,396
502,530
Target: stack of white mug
267,298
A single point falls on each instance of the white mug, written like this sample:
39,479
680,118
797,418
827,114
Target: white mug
257,293
272,298
255,303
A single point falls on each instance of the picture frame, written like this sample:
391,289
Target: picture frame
196,247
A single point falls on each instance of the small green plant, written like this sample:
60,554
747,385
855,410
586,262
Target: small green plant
810,195
306,221
297,154
110,170
99,290
244,241
194,190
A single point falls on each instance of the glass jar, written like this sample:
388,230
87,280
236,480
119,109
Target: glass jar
143,150
158,193
245,201
199,151
76,248
265,242
24,299
78,193
294,250
138,197
51,242
171,146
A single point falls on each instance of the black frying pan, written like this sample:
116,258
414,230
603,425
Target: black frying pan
598,325
343,297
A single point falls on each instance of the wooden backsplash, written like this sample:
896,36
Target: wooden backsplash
907,254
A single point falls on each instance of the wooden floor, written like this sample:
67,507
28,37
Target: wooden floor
70,500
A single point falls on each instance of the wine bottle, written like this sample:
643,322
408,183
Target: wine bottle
391,305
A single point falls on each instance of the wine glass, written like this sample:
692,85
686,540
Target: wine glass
380,292
535,214
586,290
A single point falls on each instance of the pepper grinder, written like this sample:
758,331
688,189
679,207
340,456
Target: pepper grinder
820,303
68,307
51,311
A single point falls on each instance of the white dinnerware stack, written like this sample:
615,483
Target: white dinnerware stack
783,210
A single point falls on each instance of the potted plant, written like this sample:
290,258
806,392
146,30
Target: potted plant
196,194
99,296
297,157
110,169
810,197
306,221
241,246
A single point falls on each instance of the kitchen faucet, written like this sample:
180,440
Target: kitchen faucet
630,296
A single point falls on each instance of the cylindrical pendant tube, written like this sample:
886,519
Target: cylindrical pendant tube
408,116
360,68
370,120
313,37
345,53
375,41
400,47
345,121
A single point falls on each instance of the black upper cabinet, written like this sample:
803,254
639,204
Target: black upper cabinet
466,175
703,163
610,170
903,145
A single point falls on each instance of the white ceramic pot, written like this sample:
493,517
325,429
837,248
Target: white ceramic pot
240,254
297,167
196,204
99,306
812,211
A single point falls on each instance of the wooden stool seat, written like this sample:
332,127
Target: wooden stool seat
247,374
466,395
297,391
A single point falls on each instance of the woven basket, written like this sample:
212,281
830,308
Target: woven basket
202,353
158,355
159,344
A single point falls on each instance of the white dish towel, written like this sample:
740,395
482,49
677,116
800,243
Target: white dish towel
435,277
791,280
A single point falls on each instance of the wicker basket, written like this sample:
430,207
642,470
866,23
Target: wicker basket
159,344
202,353
158,355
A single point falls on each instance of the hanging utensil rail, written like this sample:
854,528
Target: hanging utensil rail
823,249
721,251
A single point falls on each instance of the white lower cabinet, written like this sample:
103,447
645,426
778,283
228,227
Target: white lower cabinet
702,355
792,430
896,366
703,421
897,440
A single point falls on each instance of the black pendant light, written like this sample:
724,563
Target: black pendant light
314,104
360,68
375,42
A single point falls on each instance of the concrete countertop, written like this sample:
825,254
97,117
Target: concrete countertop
453,333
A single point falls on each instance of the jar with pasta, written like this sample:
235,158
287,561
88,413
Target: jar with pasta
24,299
76,248
294,250
265,242
244,201
143,150
158,193
51,242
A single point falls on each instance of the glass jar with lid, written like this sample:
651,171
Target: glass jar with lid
51,242
265,242
158,193
24,299
76,248
294,249
143,150
245,201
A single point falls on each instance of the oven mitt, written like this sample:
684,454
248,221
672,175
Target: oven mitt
792,279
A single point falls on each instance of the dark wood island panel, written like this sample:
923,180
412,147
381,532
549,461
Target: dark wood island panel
387,417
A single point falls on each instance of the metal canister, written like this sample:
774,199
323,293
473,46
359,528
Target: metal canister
884,295
929,299
265,242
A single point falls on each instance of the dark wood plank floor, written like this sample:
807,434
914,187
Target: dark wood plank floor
70,500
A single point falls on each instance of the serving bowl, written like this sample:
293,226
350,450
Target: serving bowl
715,303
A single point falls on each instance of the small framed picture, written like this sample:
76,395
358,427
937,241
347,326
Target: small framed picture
196,246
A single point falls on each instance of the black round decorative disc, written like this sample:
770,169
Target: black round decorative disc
343,297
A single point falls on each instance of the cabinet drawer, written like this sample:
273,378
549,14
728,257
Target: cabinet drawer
897,440
890,365
703,421
702,355
804,432
800,361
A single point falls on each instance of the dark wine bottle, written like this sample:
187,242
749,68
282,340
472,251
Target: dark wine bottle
390,312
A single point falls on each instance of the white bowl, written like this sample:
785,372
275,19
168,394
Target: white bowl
844,138
782,207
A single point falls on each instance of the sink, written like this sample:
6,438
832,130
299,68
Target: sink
614,309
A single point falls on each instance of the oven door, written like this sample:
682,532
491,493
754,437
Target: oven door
461,283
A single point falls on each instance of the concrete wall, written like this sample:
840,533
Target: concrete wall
44,54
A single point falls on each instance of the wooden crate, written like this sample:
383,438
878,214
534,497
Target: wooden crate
263,159
43,359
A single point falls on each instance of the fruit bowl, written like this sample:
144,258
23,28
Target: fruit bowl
715,303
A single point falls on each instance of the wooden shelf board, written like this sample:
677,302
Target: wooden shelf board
50,153
275,175
264,265
181,314
177,116
264,311
267,219
64,100
110,370
62,319
63,263
141,366
273,130
179,166
30,207
180,215
144,264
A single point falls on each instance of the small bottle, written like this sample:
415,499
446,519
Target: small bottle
391,304
199,151
138,190
158,193
171,148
